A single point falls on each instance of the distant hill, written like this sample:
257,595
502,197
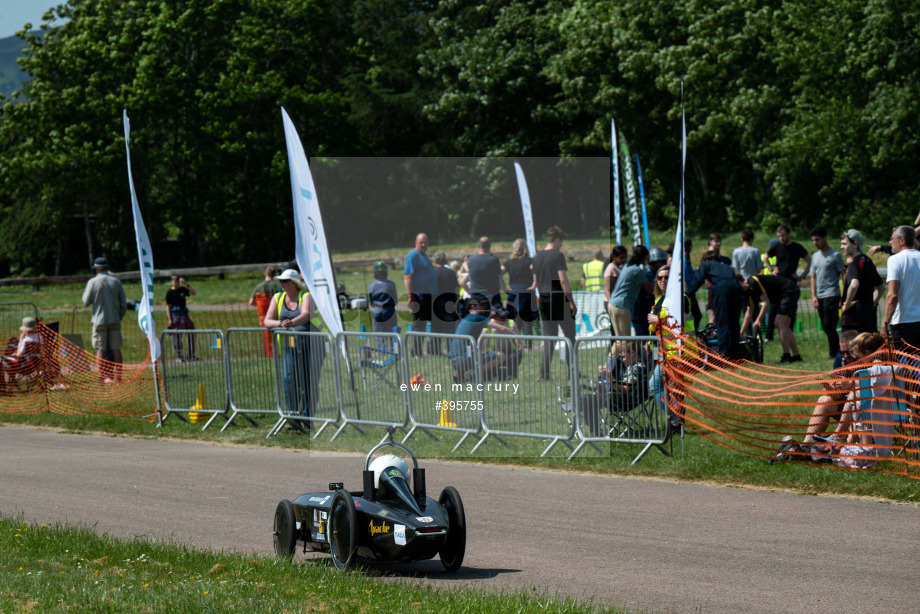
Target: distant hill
10,76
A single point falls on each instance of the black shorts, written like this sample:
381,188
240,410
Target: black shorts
789,302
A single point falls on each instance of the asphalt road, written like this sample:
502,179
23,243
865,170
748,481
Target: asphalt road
646,544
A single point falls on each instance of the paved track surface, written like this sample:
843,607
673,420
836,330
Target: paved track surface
646,544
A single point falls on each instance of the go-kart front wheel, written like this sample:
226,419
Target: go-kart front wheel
455,545
285,529
342,530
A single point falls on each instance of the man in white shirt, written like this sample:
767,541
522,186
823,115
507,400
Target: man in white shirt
902,307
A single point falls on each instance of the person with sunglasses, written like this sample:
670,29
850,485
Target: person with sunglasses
659,314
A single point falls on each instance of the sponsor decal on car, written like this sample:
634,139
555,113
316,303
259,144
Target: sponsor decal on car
383,513
382,528
319,500
399,534
394,472
424,518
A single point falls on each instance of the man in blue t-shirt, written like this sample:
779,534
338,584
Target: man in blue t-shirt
421,285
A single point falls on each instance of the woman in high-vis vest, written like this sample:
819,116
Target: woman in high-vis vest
659,314
293,309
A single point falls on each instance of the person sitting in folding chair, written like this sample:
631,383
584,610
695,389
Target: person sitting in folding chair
473,324
26,358
511,350
621,387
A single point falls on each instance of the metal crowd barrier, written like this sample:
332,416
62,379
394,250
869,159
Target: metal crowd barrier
521,400
610,400
372,372
306,380
444,385
250,370
195,374
536,387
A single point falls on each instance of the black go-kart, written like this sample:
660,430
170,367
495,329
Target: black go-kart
387,521
750,345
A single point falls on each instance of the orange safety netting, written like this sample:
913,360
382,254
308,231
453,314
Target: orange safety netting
54,374
64,376
861,416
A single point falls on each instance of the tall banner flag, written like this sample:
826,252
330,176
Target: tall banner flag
648,244
525,206
310,246
673,300
635,225
616,182
144,258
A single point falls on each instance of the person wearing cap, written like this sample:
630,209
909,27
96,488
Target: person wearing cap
106,295
902,307
293,309
827,265
862,286
28,351
381,294
444,319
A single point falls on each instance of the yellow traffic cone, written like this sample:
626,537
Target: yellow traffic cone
447,416
200,403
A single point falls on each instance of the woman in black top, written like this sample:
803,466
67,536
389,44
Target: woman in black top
519,267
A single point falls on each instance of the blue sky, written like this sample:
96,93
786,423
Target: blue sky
14,13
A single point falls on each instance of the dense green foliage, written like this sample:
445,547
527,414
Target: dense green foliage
797,111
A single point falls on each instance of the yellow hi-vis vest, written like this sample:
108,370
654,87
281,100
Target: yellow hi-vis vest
689,327
594,275
316,320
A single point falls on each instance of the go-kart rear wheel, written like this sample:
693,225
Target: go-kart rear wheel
285,529
342,530
455,545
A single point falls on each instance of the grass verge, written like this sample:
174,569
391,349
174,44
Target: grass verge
50,568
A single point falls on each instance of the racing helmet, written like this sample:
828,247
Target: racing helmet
656,254
383,466
380,269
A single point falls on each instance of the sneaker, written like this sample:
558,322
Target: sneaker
788,445
785,359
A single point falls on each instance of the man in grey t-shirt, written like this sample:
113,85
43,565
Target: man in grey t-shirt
746,259
826,267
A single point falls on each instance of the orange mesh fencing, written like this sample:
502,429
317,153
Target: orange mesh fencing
861,416
63,378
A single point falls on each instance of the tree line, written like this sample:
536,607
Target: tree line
797,111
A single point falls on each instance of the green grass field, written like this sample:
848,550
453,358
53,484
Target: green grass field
52,568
